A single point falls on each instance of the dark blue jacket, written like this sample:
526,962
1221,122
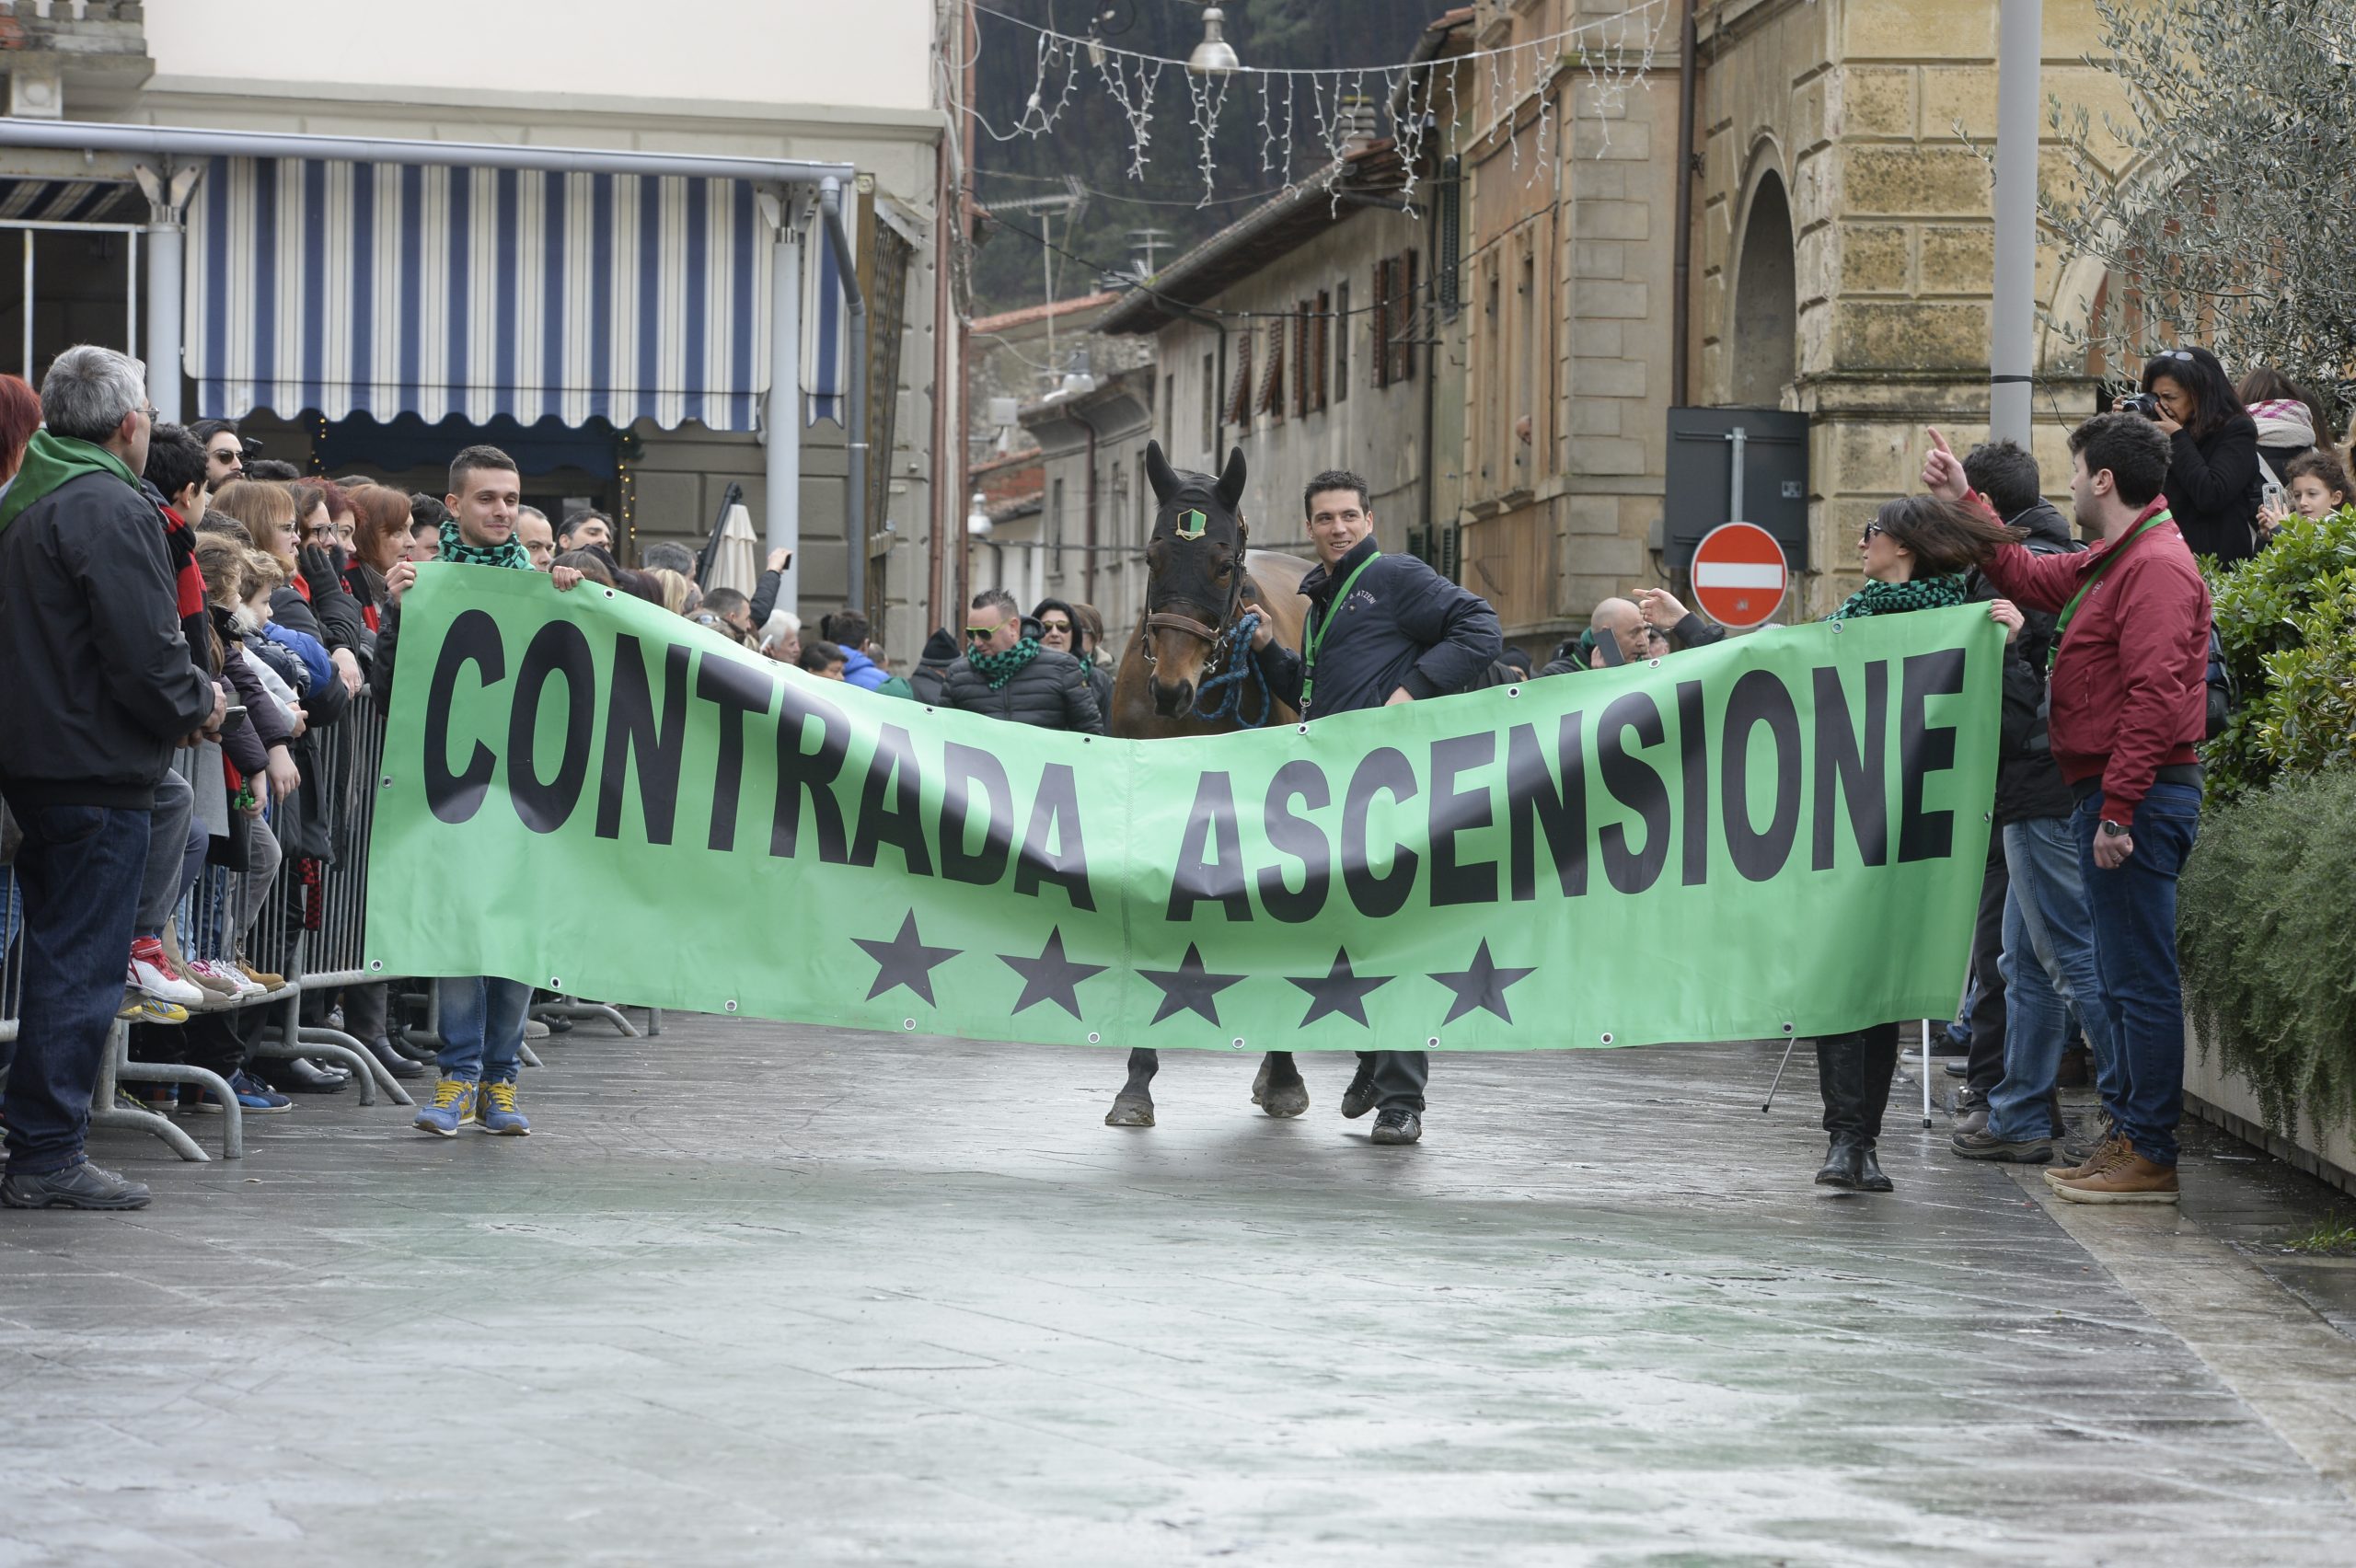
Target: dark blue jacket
1404,626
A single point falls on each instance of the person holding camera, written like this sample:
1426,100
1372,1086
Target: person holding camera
2212,483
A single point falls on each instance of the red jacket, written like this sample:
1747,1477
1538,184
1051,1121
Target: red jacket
2130,678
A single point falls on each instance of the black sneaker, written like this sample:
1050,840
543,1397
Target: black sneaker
1358,1099
80,1186
1395,1126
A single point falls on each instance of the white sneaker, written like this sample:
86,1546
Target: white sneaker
151,972
226,974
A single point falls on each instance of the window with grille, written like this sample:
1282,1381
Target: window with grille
1315,354
1341,323
1271,386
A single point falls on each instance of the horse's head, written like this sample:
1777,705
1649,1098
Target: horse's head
1194,573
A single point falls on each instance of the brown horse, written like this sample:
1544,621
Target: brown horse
1199,575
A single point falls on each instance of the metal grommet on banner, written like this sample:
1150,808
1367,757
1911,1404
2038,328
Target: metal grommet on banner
1607,1037
1837,627
388,783
1987,816
1513,691
1432,1044
728,1006
1094,1038
375,966
1236,1042
1787,1029
1301,730
908,1023
1656,664
555,984
609,592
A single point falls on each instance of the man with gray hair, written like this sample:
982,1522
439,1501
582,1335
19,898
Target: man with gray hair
97,686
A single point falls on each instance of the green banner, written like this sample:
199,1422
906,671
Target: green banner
1782,835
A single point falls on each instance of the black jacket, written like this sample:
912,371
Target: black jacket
1051,692
2029,782
1404,626
2212,489
96,683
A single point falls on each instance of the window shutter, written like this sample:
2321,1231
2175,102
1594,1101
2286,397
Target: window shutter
1382,323
1403,276
1318,342
1238,397
1272,388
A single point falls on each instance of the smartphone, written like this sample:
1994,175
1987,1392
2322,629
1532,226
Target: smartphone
1607,650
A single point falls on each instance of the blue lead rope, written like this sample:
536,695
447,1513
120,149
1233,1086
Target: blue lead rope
1241,667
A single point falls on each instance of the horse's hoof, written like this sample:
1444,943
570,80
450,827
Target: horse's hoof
1285,1100
1130,1111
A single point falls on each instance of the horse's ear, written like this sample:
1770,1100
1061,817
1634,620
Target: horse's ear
1159,474
1230,481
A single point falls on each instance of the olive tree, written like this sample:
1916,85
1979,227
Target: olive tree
2217,195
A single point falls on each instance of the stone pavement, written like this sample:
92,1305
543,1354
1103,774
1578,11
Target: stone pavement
770,1294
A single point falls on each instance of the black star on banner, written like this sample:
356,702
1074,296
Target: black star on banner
1483,987
905,960
1189,988
1340,991
1051,978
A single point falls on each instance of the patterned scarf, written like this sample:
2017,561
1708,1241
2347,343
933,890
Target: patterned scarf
1000,668
1896,598
455,548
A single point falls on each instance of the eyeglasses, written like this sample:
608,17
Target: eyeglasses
1871,530
2173,353
982,633
1055,626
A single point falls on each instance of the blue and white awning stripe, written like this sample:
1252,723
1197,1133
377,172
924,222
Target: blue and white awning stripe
72,201
362,288
825,328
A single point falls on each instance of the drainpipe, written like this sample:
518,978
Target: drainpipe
1090,571
782,420
1680,309
830,208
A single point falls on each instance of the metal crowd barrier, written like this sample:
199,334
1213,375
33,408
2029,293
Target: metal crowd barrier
313,935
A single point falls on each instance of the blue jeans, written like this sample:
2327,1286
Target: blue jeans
79,870
2141,991
483,1027
2050,972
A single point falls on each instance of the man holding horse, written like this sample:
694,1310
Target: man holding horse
1383,629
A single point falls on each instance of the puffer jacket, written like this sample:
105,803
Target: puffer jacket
1050,692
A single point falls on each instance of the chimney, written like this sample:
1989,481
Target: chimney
1355,120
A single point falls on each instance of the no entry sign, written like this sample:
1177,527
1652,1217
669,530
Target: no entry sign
1739,575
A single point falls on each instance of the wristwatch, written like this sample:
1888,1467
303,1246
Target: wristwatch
2113,829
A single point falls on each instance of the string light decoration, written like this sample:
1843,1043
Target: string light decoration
1616,53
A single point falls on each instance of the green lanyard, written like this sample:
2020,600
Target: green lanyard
1315,638
2070,610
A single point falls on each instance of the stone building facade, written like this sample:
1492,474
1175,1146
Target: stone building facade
1839,266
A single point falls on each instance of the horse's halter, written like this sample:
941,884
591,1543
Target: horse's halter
1162,620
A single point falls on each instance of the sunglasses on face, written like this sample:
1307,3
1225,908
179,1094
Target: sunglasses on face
982,633
1055,626
1871,530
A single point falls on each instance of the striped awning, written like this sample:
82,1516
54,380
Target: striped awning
72,201
346,288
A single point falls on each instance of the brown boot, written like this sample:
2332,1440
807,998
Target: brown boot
2111,1148
2130,1179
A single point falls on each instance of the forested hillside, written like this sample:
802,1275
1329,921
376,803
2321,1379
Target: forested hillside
1092,141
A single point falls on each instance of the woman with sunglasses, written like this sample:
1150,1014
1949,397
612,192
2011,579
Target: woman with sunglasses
1061,629
1914,554
2213,486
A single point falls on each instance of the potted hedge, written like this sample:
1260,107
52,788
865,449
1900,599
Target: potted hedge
2267,910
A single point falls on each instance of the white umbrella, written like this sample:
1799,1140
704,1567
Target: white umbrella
737,560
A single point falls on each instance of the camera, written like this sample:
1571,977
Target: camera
2141,403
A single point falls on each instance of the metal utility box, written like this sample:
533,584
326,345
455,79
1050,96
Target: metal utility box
1735,465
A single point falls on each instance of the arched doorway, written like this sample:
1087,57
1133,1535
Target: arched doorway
1766,328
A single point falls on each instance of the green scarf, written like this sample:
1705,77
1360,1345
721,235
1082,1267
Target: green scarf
1896,598
455,548
50,461
1000,668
